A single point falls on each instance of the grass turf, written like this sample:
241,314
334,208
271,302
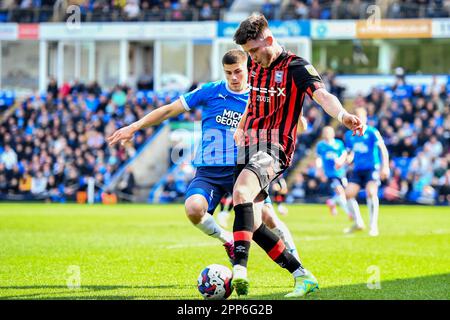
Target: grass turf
153,252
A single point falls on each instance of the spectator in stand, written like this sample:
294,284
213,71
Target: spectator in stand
132,10
62,141
170,191
315,11
268,9
52,87
38,184
297,189
8,157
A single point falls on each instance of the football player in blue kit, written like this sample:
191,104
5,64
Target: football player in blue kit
223,103
331,157
367,171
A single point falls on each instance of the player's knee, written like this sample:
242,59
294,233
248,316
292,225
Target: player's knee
241,194
195,210
267,218
348,195
351,193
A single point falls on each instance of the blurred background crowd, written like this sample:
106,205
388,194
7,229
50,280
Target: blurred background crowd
27,11
51,144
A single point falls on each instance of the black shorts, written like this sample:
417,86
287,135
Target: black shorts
362,177
336,182
267,164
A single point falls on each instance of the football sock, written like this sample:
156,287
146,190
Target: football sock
354,209
283,232
374,204
242,232
342,202
209,226
275,248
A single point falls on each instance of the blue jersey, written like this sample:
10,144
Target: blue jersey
221,111
365,149
329,152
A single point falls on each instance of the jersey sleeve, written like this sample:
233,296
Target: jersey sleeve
378,139
197,97
348,141
305,76
341,148
319,149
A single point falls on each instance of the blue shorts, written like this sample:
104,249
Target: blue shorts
212,183
362,177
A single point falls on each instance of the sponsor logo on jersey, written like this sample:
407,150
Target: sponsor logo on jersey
360,147
271,91
279,76
229,118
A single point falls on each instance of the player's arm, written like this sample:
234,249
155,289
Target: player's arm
350,157
331,104
243,118
283,185
302,124
155,117
339,162
384,173
239,134
308,80
349,146
319,161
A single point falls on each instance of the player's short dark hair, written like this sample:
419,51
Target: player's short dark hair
234,56
250,28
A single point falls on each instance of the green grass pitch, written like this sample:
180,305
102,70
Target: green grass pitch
153,252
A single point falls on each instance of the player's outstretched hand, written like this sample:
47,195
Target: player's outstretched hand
122,135
239,137
353,123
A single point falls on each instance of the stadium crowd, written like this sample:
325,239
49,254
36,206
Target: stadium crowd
414,122
27,11
51,144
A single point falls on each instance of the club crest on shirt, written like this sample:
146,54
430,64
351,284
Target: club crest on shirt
279,76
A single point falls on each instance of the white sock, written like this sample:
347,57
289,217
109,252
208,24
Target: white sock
299,272
209,226
374,204
239,271
283,232
354,209
342,202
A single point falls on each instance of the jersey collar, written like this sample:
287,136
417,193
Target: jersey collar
279,59
234,92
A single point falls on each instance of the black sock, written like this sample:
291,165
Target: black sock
242,232
275,248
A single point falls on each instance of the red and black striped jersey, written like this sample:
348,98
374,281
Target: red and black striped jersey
276,98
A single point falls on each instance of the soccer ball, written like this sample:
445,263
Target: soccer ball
214,282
